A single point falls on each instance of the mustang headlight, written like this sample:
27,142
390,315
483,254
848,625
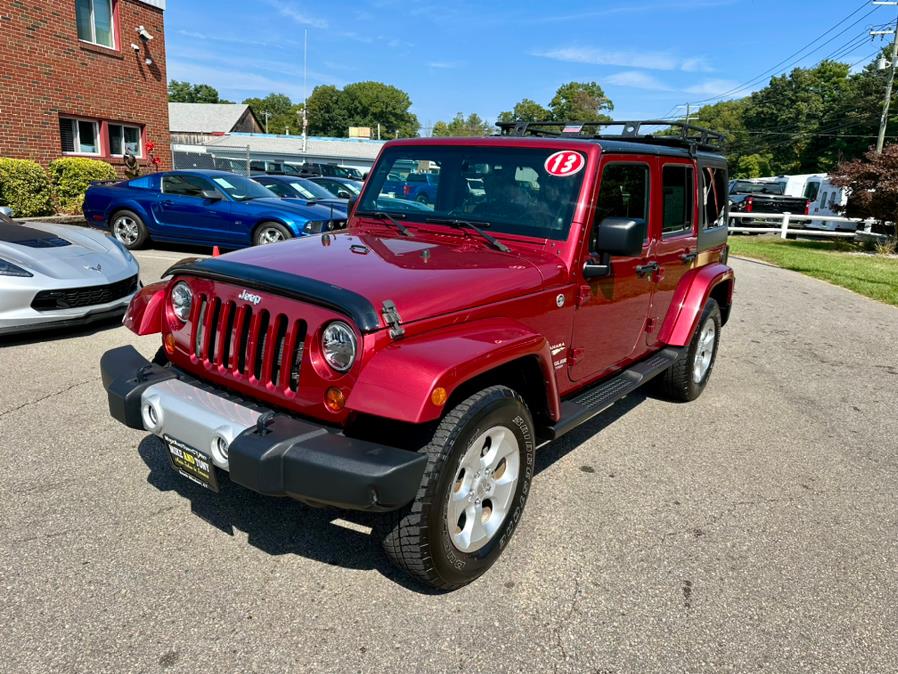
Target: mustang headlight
9,269
338,344
182,300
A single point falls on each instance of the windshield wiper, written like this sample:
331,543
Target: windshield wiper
493,241
383,215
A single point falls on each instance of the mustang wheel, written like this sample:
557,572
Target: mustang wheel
472,495
271,232
687,377
128,228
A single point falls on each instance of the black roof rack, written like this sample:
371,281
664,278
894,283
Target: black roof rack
674,134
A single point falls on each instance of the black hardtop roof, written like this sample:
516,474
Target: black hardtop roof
662,137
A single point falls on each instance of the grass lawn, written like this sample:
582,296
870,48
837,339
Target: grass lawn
833,261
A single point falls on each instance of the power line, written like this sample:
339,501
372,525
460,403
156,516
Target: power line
775,68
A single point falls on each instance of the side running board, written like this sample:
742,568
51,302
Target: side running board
596,399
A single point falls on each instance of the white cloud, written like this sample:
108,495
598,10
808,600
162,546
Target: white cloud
444,65
593,56
291,11
712,87
629,59
637,80
696,65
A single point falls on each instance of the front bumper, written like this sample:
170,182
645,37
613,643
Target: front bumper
288,457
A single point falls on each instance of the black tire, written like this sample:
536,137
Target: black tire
269,227
678,381
416,538
129,229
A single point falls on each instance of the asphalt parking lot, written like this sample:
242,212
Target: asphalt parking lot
756,528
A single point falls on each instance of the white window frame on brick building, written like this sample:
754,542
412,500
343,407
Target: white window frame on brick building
117,134
89,14
75,130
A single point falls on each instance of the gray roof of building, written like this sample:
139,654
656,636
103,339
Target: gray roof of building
204,117
269,144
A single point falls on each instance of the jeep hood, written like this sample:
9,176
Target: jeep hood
424,276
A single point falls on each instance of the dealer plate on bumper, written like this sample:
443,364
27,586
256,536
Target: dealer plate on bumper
191,463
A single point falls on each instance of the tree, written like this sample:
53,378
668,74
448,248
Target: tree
526,110
873,182
473,125
284,116
332,111
580,102
185,92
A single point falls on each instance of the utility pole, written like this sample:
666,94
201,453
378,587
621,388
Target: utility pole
305,93
688,111
267,115
884,121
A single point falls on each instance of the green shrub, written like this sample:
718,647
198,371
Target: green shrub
25,188
70,178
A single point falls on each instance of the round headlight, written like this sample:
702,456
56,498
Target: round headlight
338,346
182,300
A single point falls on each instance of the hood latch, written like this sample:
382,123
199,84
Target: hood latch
392,319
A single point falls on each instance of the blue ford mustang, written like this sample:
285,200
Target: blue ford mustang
203,207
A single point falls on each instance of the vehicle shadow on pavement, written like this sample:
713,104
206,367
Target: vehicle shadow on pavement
279,526
286,527
62,332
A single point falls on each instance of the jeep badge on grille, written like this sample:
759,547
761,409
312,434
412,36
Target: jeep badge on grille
249,297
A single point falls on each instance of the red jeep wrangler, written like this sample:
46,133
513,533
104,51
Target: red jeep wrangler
415,362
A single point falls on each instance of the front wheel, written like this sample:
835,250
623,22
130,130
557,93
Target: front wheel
687,377
271,232
472,495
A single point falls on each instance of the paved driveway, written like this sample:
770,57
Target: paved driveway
756,528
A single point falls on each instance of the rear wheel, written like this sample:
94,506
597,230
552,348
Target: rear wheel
271,232
687,377
129,229
472,495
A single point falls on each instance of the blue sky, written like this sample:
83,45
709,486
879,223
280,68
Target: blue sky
649,55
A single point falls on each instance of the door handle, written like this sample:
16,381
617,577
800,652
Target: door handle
688,257
167,202
649,268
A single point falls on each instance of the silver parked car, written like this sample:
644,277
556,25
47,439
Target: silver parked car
52,275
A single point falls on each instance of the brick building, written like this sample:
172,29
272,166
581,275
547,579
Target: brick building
83,78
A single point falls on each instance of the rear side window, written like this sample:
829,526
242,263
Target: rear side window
187,186
714,192
811,191
678,186
142,183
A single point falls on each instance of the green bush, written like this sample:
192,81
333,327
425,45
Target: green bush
70,178
25,188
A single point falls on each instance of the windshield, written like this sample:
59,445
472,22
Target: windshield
506,189
310,190
747,187
243,189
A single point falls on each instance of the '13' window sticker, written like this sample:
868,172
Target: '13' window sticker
564,163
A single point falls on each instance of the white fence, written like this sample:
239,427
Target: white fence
784,219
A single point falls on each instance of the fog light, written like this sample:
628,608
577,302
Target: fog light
439,396
221,446
334,399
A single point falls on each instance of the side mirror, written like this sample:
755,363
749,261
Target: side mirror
6,210
212,195
343,194
615,236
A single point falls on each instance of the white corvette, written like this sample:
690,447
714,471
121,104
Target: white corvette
53,275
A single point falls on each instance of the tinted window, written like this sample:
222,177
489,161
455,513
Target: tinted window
811,191
514,192
715,195
185,185
678,188
624,192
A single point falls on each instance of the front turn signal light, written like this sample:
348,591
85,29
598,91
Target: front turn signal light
334,399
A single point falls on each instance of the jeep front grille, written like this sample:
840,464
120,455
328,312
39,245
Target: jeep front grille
263,347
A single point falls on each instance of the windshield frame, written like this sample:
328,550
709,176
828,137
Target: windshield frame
530,157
